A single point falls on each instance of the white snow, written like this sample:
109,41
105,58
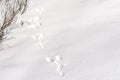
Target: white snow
83,35
48,59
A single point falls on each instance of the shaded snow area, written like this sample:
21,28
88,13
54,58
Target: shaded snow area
65,40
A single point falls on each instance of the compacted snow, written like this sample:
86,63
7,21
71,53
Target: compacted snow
65,40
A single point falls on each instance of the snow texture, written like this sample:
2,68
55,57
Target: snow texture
65,40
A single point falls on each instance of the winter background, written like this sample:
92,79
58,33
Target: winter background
65,40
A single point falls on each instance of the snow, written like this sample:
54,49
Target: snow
73,40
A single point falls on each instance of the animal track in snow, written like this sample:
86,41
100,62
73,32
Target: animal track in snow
59,65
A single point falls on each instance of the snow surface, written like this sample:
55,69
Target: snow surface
83,34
